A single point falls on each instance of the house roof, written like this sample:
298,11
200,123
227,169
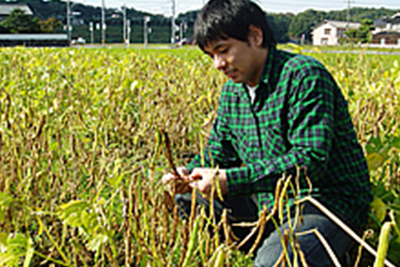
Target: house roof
343,24
396,16
31,36
380,22
392,19
395,19
394,33
5,10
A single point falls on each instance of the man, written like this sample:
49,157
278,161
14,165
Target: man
279,111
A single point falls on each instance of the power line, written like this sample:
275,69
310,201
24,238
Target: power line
348,14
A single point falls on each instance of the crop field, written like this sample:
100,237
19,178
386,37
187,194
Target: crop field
83,145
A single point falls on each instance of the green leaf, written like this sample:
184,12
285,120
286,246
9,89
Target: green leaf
95,243
114,182
374,161
74,220
89,222
3,239
5,200
9,259
394,142
379,209
17,245
396,208
75,206
71,212
374,145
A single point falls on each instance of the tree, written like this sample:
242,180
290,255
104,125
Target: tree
49,25
279,24
304,22
366,28
361,35
18,22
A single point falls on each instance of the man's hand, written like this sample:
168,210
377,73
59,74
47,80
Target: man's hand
206,183
170,178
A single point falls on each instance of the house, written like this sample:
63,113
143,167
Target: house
387,31
391,24
386,38
6,9
330,31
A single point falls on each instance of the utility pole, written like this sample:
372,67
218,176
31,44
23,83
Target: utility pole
145,30
348,14
91,31
128,32
173,23
68,22
103,23
124,24
181,31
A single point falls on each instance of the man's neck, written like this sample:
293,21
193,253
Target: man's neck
262,59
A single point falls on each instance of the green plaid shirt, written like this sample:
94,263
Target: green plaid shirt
299,119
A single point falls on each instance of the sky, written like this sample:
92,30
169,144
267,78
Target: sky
281,6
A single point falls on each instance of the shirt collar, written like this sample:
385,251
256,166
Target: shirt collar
266,74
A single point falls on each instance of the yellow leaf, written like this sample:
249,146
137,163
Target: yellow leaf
379,208
7,258
3,239
374,161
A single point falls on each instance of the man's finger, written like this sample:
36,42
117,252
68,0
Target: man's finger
167,178
196,174
194,185
182,171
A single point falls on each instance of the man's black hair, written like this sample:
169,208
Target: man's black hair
230,18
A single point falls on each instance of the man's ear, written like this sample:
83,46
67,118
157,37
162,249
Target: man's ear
255,35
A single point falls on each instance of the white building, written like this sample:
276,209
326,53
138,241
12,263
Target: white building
385,24
34,39
6,9
387,31
330,31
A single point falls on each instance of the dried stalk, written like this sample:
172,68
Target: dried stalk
325,244
169,154
342,225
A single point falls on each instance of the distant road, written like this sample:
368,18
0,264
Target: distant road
368,52
135,46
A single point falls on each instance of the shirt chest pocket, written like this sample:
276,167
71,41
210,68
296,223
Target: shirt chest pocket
248,146
259,143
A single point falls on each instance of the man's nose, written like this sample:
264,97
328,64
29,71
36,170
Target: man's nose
219,62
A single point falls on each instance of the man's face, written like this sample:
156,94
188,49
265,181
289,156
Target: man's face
238,60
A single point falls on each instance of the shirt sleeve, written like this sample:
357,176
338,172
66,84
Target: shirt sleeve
310,122
219,150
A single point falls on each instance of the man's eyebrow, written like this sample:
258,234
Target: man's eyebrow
213,49
217,46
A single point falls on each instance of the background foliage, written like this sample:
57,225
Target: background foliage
285,26
81,154
18,22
